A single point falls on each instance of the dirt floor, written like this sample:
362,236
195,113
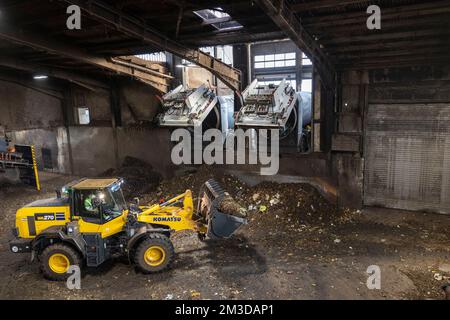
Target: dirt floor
295,246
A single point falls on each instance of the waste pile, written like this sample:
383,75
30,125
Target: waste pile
267,203
229,206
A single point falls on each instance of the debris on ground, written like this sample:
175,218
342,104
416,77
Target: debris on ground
438,276
169,296
445,267
298,246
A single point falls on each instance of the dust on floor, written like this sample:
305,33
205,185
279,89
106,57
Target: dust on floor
295,246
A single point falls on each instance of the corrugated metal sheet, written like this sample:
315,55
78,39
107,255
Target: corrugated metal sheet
407,157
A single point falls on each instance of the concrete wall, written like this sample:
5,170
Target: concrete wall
99,146
31,112
92,150
31,116
98,103
151,145
23,107
138,102
54,139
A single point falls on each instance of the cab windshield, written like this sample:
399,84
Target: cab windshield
114,203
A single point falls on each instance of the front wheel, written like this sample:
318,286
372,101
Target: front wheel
56,259
154,254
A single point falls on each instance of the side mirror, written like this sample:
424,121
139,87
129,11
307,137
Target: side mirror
136,201
58,193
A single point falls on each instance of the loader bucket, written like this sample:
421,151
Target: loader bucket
219,224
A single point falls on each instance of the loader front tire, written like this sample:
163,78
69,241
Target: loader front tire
56,259
154,254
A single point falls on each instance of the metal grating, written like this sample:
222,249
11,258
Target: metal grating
407,157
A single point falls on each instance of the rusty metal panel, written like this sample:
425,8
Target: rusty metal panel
407,157
345,142
349,122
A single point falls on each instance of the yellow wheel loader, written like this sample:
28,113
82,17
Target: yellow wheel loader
89,222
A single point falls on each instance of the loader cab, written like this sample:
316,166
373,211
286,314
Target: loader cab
96,200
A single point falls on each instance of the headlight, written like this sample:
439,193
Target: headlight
14,249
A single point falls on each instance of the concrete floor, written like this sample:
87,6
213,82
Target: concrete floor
278,260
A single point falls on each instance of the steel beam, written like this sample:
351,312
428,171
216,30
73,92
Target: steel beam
373,38
395,13
30,84
387,45
40,42
324,4
23,65
385,62
136,28
213,39
285,19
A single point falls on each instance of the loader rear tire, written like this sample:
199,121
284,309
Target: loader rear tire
56,259
154,254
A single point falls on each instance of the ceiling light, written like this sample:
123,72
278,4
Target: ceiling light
40,77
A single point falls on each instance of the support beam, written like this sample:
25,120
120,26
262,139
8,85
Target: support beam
159,67
134,27
373,38
286,20
387,45
129,63
180,18
43,43
19,64
323,4
388,25
394,13
373,56
393,62
235,38
30,84
238,33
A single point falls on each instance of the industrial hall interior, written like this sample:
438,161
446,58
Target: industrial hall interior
225,150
